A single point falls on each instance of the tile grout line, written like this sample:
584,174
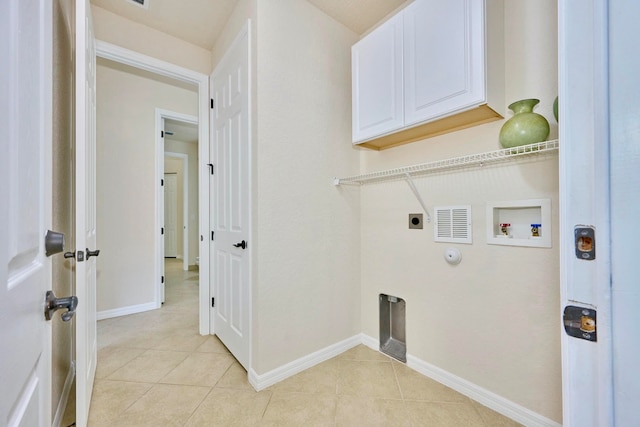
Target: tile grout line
198,406
395,374
266,407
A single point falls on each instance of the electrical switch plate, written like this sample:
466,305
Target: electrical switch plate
415,221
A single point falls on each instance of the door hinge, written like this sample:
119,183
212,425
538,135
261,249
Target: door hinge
161,134
162,183
213,302
162,279
211,167
212,235
162,230
213,103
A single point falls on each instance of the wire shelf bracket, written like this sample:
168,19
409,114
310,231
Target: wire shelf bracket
413,188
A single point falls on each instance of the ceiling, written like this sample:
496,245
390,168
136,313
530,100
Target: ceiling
182,131
357,15
200,22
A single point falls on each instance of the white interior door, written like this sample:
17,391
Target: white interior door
25,211
85,200
231,222
170,215
585,259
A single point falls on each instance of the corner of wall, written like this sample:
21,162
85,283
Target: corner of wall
115,29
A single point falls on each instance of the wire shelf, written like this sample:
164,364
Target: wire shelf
455,162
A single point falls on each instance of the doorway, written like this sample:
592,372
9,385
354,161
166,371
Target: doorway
150,298
181,157
177,164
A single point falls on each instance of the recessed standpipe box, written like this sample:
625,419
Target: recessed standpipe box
393,341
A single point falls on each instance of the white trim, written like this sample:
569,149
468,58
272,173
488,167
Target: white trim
250,77
147,63
185,206
143,62
487,398
370,342
43,111
124,311
260,382
64,396
481,395
587,373
165,114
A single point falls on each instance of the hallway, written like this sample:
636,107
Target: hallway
155,370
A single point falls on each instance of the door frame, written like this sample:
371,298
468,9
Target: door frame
161,116
587,386
143,62
185,204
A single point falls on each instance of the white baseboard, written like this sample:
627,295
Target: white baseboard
370,342
64,397
123,311
260,382
487,398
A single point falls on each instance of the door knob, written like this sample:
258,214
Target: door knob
242,245
52,304
53,243
92,253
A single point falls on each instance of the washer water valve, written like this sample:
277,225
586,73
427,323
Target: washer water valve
535,230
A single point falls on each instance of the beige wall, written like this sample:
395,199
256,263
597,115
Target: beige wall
493,319
120,31
63,202
245,9
306,253
190,149
126,103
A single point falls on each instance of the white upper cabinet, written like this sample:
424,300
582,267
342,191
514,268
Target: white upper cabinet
443,55
377,81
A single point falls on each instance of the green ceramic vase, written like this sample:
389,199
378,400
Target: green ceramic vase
555,109
525,127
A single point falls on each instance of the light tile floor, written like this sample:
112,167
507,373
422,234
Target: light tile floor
155,370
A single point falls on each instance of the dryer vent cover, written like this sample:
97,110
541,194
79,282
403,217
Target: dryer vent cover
452,224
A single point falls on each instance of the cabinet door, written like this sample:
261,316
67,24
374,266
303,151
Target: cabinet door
377,81
444,58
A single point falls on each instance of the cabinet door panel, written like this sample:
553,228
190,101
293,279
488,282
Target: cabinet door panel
444,57
377,81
